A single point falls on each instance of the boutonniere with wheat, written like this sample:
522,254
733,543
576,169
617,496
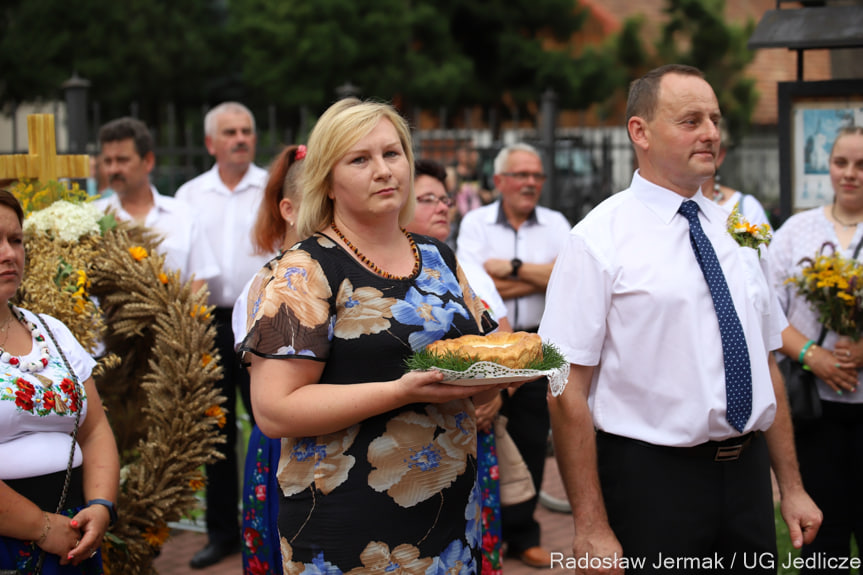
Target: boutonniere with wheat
746,234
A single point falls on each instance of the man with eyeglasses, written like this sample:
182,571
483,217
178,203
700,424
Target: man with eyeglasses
517,241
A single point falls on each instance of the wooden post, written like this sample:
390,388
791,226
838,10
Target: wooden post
43,163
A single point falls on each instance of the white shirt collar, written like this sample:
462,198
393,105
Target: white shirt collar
160,202
254,178
664,202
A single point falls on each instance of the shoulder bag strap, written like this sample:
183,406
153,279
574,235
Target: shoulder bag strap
857,249
822,335
78,408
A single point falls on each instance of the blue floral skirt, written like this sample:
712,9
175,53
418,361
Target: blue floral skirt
261,549
489,483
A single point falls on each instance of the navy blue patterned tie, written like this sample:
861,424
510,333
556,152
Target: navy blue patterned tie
738,375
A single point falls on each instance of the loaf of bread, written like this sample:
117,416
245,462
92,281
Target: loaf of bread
514,350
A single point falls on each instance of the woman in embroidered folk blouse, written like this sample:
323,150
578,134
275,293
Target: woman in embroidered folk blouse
378,467
830,449
38,404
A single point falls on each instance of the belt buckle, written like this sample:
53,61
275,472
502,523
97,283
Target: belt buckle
728,453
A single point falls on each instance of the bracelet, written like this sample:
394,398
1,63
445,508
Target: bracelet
809,354
803,351
109,505
45,530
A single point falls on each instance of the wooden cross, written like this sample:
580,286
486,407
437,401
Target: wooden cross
43,163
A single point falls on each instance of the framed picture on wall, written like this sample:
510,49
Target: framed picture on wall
810,115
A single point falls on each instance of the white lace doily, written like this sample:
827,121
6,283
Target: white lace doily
485,372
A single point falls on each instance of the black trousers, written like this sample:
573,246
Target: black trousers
528,426
830,452
684,514
223,485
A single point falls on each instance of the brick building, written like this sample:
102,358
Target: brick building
768,67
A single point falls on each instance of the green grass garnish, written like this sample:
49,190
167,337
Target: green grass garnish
423,360
551,358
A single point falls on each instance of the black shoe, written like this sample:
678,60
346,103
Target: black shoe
212,554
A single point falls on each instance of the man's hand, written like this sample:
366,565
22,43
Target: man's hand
486,413
598,544
802,516
498,268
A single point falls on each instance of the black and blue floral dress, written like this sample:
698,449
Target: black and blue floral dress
396,492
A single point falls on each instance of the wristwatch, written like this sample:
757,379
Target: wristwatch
112,509
515,263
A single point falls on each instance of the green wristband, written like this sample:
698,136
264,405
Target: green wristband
802,356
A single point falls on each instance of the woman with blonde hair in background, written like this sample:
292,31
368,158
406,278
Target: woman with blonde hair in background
378,466
829,449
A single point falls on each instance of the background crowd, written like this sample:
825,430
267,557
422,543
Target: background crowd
331,267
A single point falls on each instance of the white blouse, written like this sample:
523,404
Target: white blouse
37,410
802,236
748,206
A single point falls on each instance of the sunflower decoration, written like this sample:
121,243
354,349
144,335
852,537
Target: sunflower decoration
106,281
833,287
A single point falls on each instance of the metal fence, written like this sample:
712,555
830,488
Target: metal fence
590,164
585,165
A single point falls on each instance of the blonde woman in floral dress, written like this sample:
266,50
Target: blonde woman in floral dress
378,467
830,450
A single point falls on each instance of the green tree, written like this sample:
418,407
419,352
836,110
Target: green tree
520,48
451,53
31,49
296,53
292,53
696,33
144,51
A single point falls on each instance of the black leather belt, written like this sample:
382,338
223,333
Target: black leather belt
721,451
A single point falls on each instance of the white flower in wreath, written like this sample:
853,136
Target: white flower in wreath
65,221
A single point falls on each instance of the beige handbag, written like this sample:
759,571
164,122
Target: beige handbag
516,484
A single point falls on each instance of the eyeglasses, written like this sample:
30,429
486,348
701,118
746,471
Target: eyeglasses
525,176
431,199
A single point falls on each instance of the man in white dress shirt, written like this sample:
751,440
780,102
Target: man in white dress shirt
516,242
226,200
654,469
127,159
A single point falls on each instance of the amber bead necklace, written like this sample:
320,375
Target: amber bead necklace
371,265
